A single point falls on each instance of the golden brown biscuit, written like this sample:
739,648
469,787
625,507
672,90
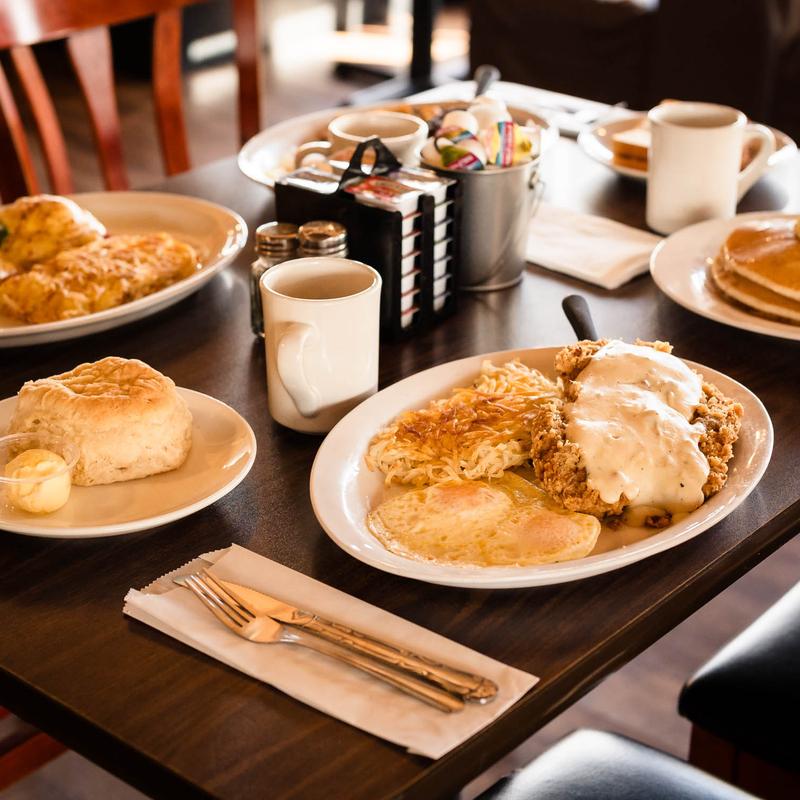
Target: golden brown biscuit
126,418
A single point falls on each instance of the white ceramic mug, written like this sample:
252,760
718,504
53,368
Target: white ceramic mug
321,329
403,134
694,163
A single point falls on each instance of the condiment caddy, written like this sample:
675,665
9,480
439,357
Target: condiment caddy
402,221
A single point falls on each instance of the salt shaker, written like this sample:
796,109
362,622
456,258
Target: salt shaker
322,238
275,242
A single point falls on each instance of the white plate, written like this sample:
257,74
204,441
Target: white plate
678,266
596,142
217,234
269,155
223,451
343,490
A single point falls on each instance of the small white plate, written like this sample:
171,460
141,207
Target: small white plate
679,267
223,451
217,234
596,142
343,490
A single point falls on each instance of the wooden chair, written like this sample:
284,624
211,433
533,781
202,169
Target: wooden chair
83,24
23,752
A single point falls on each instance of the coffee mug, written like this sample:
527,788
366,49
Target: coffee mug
694,163
321,329
403,134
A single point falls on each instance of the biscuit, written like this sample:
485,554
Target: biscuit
126,418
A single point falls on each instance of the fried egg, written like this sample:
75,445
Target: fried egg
505,522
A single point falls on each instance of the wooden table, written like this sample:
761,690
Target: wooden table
176,723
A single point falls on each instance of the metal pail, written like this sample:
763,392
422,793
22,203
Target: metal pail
496,208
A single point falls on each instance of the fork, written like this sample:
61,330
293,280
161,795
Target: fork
265,630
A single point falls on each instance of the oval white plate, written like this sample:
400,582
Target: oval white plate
343,490
223,451
217,234
678,266
596,142
269,155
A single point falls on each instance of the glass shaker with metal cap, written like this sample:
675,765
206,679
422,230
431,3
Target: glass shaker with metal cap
275,242
322,238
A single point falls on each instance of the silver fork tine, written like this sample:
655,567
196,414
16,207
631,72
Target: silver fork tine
223,616
236,615
225,595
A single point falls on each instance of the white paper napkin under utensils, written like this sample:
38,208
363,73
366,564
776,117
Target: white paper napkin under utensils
315,679
591,248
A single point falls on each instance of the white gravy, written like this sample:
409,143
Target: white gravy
631,422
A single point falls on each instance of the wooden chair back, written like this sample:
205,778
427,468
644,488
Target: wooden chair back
84,24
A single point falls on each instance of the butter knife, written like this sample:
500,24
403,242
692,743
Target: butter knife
463,684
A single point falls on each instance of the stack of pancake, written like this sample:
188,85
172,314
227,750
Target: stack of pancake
759,267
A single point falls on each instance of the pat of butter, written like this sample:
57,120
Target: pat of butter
45,481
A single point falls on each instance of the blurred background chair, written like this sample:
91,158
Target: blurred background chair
745,54
744,705
23,749
595,765
83,25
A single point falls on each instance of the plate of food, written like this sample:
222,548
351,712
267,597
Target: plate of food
623,145
74,266
515,469
743,272
114,447
272,153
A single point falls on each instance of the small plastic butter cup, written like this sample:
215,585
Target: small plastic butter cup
11,445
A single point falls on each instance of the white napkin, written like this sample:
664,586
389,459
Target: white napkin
325,684
594,249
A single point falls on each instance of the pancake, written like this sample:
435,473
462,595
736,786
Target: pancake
507,522
756,297
766,253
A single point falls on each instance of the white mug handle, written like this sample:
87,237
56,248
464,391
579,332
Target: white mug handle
311,147
753,171
289,362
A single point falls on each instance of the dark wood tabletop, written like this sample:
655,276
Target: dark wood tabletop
174,722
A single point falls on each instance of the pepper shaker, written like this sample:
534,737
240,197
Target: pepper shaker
322,238
275,242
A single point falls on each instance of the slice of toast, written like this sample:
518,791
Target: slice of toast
630,146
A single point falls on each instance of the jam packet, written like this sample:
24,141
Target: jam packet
425,180
378,190
313,180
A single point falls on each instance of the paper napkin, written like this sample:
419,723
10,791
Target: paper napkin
591,248
315,679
